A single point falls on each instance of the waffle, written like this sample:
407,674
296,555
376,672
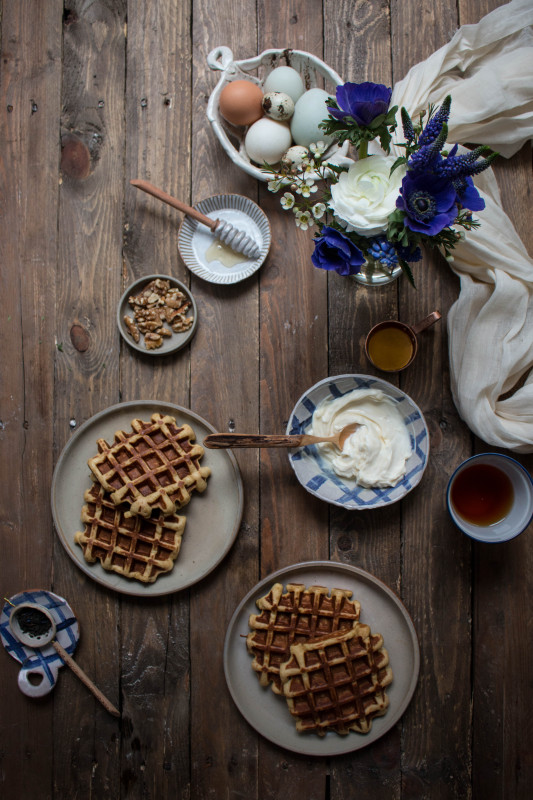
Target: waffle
296,616
336,682
156,467
129,545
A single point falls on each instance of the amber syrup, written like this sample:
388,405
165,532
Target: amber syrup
482,494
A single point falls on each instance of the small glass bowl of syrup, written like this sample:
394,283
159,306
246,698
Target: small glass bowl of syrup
490,497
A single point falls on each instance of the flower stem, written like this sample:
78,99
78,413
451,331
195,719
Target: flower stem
363,149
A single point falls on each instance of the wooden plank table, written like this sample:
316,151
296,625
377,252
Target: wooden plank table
92,95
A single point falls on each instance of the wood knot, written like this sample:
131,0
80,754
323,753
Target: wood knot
344,543
80,338
75,157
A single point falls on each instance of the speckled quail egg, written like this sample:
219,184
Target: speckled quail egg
294,156
278,105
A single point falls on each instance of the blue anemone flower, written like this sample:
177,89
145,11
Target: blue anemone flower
361,101
430,203
468,195
335,252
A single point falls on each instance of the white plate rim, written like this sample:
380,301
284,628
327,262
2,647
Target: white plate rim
113,580
332,744
218,202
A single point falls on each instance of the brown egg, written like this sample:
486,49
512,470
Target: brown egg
240,102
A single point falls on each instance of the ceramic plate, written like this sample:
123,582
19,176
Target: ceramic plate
195,239
319,479
213,517
268,713
171,343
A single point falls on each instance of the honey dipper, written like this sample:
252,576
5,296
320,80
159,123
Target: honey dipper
225,231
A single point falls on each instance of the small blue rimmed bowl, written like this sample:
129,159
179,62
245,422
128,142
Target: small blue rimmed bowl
317,477
490,497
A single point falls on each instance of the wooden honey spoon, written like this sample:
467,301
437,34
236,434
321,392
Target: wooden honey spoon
238,240
221,440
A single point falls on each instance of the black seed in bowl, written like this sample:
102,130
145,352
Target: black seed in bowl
33,622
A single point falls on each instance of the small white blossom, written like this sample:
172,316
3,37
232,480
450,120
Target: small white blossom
287,201
308,187
303,220
274,185
318,210
318,148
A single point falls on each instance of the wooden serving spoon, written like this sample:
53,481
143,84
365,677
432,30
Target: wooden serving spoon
221,440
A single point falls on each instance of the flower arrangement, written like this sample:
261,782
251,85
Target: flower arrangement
380,208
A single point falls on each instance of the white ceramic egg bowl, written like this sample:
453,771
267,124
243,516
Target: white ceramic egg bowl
231,137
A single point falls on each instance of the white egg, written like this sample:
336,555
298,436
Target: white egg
278,105
285,79
309,111
267,140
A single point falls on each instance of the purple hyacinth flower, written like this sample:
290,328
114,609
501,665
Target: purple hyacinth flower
335,252
361,101
430,203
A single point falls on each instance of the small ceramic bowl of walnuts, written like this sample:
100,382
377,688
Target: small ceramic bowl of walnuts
157,315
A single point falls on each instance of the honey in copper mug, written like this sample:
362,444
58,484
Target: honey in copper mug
392,345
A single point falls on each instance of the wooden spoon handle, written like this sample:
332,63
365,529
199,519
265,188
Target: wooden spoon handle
85,679
220,440
147,187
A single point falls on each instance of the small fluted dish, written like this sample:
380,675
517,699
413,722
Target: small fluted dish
196,240
315,474
314,72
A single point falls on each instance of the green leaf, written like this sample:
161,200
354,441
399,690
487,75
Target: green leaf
385,140
399,161
407,270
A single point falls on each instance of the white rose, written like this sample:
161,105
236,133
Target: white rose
364,196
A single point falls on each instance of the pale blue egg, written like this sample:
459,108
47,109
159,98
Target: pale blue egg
309,111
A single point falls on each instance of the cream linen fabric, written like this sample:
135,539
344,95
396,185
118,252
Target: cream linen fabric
488,70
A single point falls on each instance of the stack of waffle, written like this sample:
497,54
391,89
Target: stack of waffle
309,645
141,481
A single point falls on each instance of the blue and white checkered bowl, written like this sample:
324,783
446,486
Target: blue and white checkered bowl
315,474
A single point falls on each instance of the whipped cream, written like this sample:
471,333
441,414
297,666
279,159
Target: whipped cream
377,452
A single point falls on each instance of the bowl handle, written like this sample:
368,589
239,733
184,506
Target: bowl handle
38,688
221,58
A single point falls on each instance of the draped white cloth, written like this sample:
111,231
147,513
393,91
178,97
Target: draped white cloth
487,68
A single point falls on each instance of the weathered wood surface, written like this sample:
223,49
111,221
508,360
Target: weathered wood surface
93,94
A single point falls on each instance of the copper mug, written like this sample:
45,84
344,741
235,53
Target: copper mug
392,345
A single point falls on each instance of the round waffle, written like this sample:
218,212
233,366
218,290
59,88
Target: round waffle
132,546
336,682
295,616
155,467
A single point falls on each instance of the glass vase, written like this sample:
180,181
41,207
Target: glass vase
373,273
